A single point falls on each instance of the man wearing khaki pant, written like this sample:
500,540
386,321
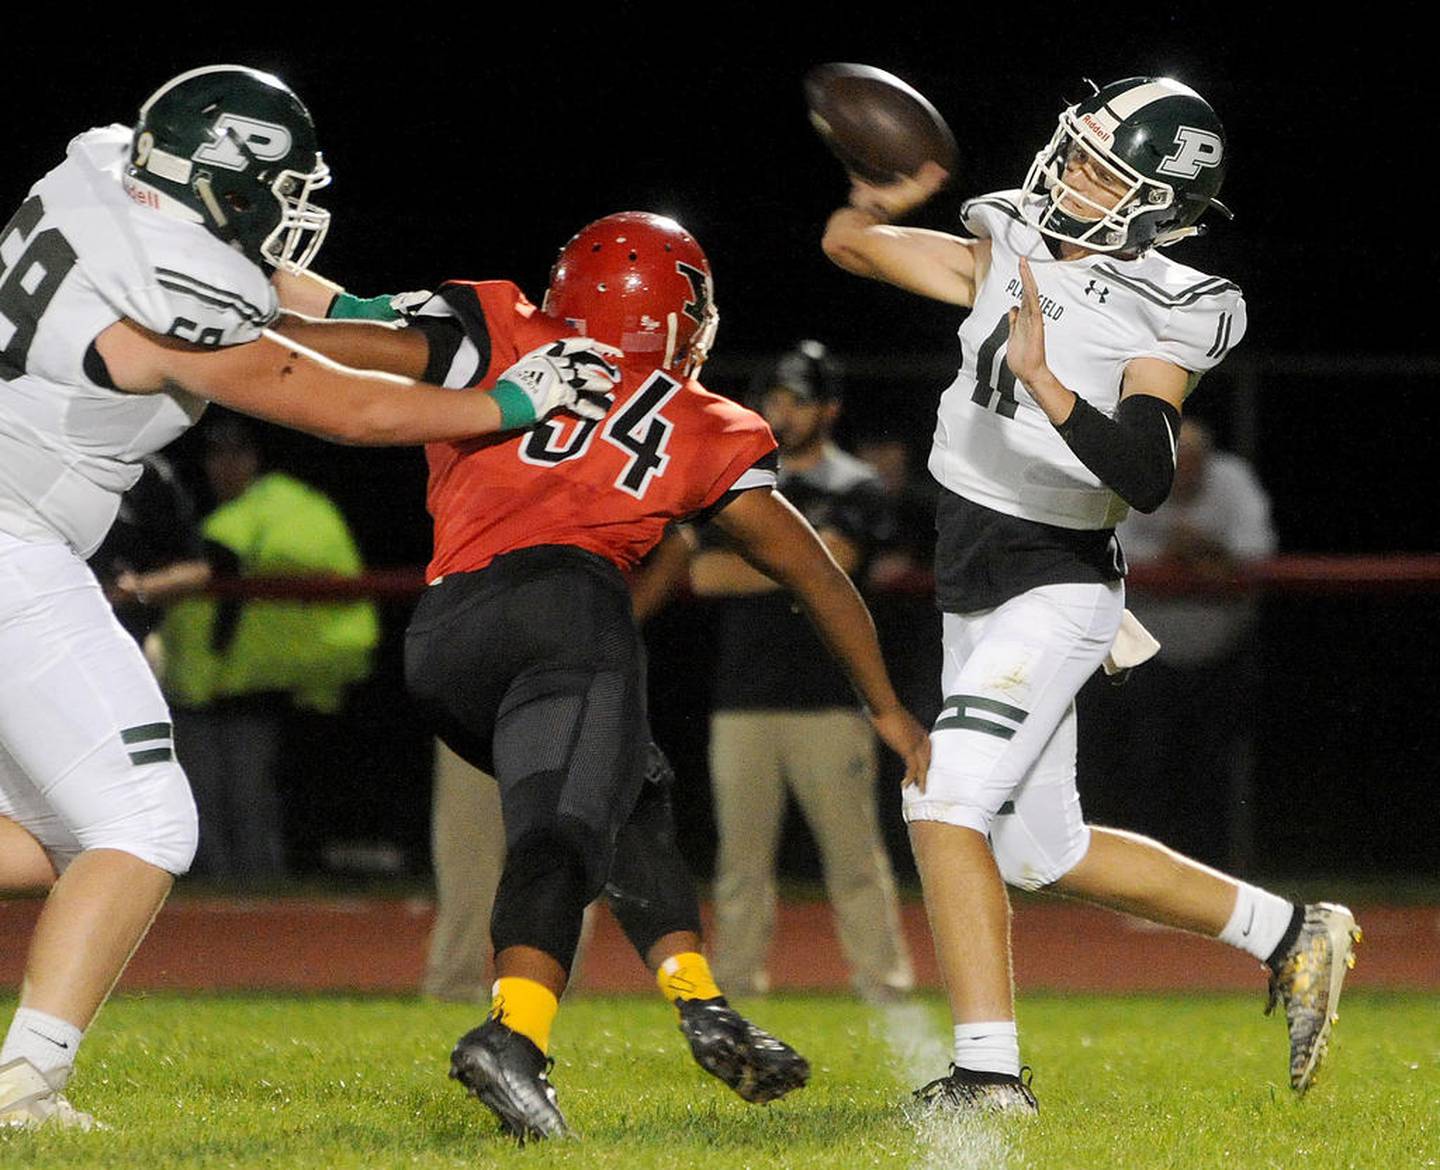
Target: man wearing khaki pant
785,719
467,840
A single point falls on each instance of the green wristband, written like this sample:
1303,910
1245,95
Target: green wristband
351,308
516,409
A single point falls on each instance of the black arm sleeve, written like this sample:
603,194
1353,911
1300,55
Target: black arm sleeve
1133,453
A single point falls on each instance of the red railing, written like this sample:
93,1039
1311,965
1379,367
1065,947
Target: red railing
1335,576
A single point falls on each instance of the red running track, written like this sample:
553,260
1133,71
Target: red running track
377,945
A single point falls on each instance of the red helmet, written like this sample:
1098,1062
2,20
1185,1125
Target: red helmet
639,281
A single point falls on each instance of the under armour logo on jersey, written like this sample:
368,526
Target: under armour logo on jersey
1100,293
1194,149
237,138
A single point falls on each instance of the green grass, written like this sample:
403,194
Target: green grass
249,1081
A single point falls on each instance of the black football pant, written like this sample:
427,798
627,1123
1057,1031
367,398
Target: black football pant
651,890
532,670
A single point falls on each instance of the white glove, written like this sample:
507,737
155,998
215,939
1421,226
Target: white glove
572,373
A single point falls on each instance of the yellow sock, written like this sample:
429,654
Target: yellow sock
526,1007
686,976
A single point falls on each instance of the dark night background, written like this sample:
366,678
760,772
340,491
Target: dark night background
472,142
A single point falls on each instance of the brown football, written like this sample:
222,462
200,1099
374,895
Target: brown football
875,124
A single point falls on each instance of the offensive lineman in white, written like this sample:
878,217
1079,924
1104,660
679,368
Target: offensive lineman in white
133,287
1107,337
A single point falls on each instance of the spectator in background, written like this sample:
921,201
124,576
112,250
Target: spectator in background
467,851
155,527
785,719
234,667
902,562
1189,715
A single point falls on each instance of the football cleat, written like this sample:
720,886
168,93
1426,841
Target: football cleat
508,1073
30,1099
967,1091
1307,979
751,1061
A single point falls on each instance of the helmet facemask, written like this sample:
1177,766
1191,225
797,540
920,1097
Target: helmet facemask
700,342
1071,215
294,241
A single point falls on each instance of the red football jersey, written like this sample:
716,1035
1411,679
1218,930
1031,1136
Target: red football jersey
667,449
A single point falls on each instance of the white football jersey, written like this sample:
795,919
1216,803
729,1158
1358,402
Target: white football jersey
993,444
80,254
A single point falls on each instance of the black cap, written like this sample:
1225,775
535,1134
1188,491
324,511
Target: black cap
808,371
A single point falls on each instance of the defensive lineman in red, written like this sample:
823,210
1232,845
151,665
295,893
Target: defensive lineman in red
524,654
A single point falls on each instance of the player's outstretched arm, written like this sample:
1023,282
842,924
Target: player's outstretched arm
276,379
304,292
778,541
362,345
861,239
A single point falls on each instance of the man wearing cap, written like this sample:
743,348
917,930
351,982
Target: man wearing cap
785,719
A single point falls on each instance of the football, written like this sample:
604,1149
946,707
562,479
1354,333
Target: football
879,127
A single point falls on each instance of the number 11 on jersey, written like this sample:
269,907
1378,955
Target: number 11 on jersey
993,375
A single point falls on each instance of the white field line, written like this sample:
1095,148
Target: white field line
919,1054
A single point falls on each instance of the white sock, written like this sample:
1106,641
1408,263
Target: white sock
1258,922
45,1041
988,1046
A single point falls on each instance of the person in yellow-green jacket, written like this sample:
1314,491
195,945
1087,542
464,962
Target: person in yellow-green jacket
233,668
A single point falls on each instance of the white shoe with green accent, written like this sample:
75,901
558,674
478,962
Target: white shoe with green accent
1308,981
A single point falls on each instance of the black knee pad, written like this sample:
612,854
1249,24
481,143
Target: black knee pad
542,897
651,890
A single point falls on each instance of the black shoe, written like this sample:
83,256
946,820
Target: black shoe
965,1090
508,1073
748,1059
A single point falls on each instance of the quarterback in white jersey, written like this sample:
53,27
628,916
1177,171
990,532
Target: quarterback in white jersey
1079,350
1100,312
134,286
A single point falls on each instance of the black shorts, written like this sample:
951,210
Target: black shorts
532,670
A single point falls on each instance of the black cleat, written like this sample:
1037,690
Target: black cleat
748,1059
507,1072
964,1090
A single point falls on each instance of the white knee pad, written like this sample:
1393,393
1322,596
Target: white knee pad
948,804
156,822
1031,860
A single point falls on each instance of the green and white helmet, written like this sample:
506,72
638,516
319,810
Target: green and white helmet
234,149
1161,143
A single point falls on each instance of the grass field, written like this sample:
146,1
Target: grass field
330,1082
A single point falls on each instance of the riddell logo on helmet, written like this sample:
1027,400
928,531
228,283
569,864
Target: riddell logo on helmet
142,195
1092,124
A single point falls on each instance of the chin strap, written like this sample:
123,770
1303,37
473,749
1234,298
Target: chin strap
212,205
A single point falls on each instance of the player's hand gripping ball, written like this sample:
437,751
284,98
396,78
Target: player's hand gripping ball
880,128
